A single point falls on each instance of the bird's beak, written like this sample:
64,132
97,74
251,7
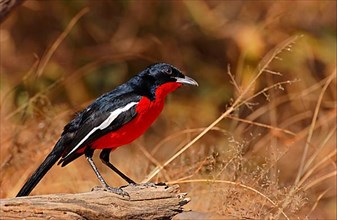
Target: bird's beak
187,81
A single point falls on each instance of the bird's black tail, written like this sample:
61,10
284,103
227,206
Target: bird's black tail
50,160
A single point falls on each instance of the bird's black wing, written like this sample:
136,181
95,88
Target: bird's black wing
103,116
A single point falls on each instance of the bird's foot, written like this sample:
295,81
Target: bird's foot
133,184
117,191
130,184
148,184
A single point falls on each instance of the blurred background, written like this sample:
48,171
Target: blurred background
57,56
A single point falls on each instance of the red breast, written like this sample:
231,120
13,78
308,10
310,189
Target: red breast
147,112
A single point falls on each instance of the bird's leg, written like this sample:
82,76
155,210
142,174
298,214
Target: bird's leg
88,154
105,159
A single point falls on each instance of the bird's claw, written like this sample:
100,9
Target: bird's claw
117,191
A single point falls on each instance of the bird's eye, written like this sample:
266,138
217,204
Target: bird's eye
168,71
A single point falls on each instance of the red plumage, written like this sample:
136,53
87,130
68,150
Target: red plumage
147,112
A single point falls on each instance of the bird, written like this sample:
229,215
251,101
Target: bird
114,119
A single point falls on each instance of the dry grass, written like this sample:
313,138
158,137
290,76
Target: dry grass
256,140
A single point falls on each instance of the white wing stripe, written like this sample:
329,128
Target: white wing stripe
113,115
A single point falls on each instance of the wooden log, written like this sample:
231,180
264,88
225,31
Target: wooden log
146,201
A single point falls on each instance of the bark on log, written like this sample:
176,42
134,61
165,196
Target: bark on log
145,202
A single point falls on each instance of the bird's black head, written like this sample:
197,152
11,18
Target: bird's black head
160,79
165,73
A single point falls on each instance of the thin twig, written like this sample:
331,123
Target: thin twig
279,84
186,131
59,40
312,126
233,79
319,149
321,162
262,125
33,99
320,179
316,203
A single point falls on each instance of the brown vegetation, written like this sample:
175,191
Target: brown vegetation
256,139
